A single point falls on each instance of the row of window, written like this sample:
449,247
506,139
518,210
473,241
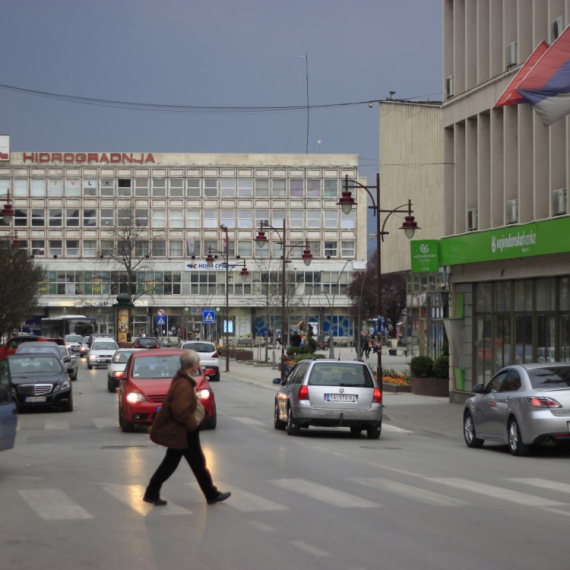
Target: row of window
176,248
180,218
174,187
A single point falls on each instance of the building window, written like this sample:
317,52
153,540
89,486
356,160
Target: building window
38,217
89,248
228,188
347,249
72,218
159,249
172,283
55,188
193,187
331,218
262,188
159,218
21,187
315,247
177,248
159,187
193,247
193,218
280,188
107,187
278,217
55,247
313,188
245,218
245,187
331,248
38,187
176,218
312,282
313,218
55,218
141,249
229,218
90,188
107,247
177,188
296,218
210,246
245,248
21,218
72,248
38,247
107,217
348,220
211,218
203,283
261,217
277,249
141,218
296,188
331,188
141,187
210,187
73,187
89,218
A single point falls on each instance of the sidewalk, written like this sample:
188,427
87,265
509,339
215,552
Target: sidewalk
405,411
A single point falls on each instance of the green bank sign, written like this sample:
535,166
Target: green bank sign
425,256
538,238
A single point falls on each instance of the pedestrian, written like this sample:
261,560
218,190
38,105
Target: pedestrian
180,404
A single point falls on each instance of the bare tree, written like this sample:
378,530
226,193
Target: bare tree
20,286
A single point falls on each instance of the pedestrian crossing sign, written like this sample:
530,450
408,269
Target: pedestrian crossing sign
209,317
160,320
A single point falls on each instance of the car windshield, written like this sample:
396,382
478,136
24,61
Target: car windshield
62,350
550,378
201,347
104,346
85,338
329,374
35,365
122,357
147,367
73,338
147,341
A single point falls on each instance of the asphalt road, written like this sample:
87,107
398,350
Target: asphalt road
70,496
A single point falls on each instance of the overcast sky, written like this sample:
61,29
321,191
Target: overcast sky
213,53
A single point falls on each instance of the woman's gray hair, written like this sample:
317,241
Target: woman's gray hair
188,358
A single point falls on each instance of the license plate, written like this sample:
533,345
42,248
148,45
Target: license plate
157,409
341,397
35,399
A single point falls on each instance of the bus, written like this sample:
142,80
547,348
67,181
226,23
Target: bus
63,325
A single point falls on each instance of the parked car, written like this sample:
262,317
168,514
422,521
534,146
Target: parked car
11,345
146,381
101,352
520,406
73,342
70,361
146,342
84,348
116,370
209,357
8,410
39,379
329,393
46,347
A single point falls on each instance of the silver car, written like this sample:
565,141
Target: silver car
101,352
116,370
70,361
209,357
522,405
73,342
329,393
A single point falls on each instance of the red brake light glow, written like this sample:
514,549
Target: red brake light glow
544,403
303,393
377,396
118,374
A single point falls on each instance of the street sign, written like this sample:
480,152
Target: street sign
160,320
160,312
209,317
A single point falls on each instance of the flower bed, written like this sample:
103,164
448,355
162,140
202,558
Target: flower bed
395,381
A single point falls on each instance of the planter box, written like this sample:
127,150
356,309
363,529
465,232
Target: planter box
386,387
429,386
244,355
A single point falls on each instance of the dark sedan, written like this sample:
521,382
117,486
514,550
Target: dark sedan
39,380
147,342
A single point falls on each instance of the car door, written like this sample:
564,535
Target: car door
504,401
290,390
486,415
8,418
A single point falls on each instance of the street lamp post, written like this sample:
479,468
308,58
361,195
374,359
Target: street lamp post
409,226
261,241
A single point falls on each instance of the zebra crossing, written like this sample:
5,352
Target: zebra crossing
55,505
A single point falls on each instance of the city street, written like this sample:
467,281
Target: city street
71,494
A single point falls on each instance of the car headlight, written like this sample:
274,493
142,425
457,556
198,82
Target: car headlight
65,385
203,394
91,357
134,397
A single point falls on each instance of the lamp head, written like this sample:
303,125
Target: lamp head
210,260
409,226
223,227
346,202
8,213
261,239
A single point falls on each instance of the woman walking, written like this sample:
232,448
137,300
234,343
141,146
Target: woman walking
176,427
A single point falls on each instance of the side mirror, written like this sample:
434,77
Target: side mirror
479,389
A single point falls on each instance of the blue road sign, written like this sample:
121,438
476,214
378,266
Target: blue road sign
160,320
209,316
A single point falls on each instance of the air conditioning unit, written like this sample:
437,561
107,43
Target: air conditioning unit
511,54
449,90
472,219
557,27
559,202
512,211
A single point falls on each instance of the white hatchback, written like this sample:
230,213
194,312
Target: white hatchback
116,369
209,357
101,352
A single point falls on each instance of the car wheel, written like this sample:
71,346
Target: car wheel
469,433
74,377
292,426
126,427
356,431
110,386
277,423
69,406
216,376
373,432
516,444
89,367
212,421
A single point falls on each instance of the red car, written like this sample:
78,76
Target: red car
147,377
12,344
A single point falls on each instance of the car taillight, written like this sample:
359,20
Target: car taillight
157,346
119,374
303,393
137,346
377,396
544,402
215,355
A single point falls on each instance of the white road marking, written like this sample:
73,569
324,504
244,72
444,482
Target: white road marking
105,422
247,421
415,493
309,548
395,469
261,526
498,492
325,494
132,495
390,427
53,505
56,424
249,502
544,484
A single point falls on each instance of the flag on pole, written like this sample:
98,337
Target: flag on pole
190,245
